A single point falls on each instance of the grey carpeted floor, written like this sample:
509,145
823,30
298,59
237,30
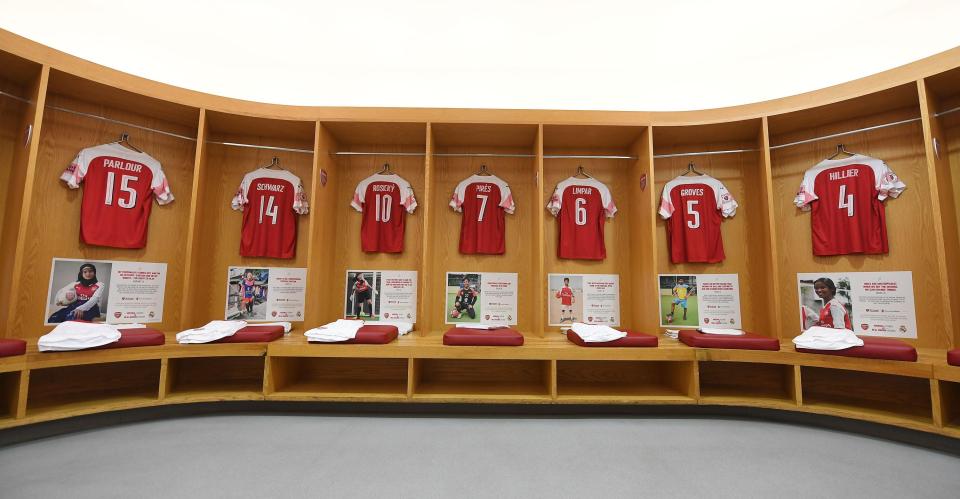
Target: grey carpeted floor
450,457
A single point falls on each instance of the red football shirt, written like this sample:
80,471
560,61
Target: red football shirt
565,295
384,201
581,206
118,185
270,200
483,199
694,234
846,199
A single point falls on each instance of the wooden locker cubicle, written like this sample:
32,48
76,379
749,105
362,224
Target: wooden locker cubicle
52,105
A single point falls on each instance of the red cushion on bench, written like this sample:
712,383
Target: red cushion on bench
462,336
11,346
253,334
630,340
748,341
140,337
873,348
371,334
953,357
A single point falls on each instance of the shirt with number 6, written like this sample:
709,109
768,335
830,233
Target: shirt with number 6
694,207
118,186
581,206
483,200
270,200
845,198
384,200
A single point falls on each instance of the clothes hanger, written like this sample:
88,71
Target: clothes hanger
275,163
125,141
691,169
385,170
581,171
841,150
483,171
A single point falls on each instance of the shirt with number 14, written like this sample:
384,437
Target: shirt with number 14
270,200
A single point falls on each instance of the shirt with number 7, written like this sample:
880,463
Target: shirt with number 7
845,198
483,200
581,206
384,200
118,186
694,207
271,200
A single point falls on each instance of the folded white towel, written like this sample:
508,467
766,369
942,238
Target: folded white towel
592,333
211,331
402,327
286,325
722,331
825,338
481,326
73,335
341,330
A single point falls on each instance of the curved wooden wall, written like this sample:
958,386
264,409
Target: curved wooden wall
768,242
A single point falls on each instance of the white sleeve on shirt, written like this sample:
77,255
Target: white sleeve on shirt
240,199
888,183
725,202
553,206
806,194
300,204
837,312
74,174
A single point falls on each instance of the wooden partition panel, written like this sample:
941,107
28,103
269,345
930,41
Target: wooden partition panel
219,225
54,211
745,235
520,248
24,82
911,235
940,101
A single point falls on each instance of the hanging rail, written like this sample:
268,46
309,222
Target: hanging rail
15,97
843,134
258,146
703,153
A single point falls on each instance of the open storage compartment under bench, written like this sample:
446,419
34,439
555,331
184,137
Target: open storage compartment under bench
625,381
721,381
239,377
864,393
93,387
325,377
471,379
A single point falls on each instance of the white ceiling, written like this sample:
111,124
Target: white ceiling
602,54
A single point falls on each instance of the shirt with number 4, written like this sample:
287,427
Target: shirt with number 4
483,200
581,206
118,186
845,198
270,200
384,200
694,207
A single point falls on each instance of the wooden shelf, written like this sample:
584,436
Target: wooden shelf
764,383
950,404
212,377
64,391
468,379
319,377
624,380
880,395
9,394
